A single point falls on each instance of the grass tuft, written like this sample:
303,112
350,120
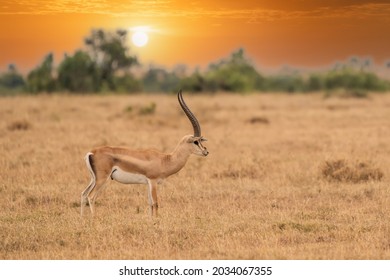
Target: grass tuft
19,125
258,120
148,109
342,171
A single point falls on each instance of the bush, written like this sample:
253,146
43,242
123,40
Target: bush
11,81
194,83
353,79
286,83
127,83
158,79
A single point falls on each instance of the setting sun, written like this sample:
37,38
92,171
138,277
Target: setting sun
140,36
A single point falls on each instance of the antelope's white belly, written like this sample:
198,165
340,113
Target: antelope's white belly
127,177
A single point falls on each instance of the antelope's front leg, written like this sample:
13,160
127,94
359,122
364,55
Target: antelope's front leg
152,195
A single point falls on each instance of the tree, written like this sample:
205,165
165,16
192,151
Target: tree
233,74
77,73
110,55
41,78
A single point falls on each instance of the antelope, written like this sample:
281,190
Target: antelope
136,166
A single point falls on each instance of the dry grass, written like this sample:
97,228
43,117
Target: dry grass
260,194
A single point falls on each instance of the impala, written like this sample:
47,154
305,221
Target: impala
136,166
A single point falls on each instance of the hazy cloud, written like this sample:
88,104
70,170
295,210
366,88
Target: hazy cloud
249,11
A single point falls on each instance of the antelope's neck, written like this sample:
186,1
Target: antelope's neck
176,160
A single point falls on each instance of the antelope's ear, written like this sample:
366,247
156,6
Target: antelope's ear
203,139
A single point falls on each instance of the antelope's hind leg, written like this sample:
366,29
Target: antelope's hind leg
97,182
95,190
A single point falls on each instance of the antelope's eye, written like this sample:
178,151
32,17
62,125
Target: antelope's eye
196,142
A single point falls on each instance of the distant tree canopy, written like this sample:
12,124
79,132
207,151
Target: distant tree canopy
41,78
106,64
103,66
159,79
77,73
236,73
109,55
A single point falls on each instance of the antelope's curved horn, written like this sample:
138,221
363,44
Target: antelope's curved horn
190,115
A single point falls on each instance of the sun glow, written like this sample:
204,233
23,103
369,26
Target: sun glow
140,36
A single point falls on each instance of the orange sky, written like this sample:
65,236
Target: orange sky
274,33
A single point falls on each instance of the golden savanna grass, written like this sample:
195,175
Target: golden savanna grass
288,177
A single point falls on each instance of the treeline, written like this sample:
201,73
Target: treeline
106,65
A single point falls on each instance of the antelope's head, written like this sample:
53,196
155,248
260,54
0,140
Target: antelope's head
194,140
